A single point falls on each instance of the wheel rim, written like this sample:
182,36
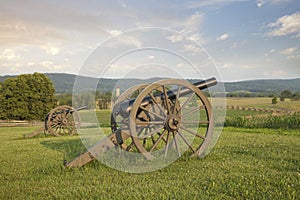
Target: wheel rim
174,126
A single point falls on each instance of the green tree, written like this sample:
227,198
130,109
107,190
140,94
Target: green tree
274,100
285,94
296,96
64,99
28,96
104,100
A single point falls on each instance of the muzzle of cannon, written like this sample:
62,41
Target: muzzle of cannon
166,114
62,120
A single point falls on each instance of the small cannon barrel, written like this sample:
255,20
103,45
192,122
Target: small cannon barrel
81,108
125,107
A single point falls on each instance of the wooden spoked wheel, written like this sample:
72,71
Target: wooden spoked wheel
62,120
177,121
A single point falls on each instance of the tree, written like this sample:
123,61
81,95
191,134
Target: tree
274,100
27,96
296,96
285,94
104,100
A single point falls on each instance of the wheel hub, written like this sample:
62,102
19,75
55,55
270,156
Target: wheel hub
172,122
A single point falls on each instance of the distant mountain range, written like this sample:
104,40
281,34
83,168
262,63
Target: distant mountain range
63,83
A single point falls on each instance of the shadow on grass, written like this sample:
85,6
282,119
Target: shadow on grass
71,148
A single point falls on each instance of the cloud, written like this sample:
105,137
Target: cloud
279,1
204,3
292,53
289,51
193,22
223,37
192,49
8,54
286,25
278,73
175,38
260,3
114,32
50,49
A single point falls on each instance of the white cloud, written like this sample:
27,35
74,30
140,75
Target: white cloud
204,3
289,51
193,22
286,25
114,32
50,49
223,37
192,49
278,73
125,40
8,54
175,38
151,57
260,3
279,1
227,66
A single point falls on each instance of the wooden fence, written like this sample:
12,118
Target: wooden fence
20,123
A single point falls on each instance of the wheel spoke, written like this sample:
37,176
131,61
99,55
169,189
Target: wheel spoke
155,130
185,141
192,132
162,138
176,144
194,122
166,99
156,103
157,115
177,99
141,123
186,102
198,108
167,145
157,141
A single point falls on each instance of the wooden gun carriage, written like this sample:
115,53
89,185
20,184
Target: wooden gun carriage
169,113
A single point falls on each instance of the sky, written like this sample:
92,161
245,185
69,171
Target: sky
244,39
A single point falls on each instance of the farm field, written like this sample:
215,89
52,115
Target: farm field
245,164
263,102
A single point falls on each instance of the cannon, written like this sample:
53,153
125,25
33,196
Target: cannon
170,113
62,120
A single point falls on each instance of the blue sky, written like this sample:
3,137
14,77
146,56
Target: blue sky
246,39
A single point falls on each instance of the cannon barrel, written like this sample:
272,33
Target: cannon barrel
125,107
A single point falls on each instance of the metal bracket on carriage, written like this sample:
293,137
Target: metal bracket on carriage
160,114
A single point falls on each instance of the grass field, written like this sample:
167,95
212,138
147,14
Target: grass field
245,164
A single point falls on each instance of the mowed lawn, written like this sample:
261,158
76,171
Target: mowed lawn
245,164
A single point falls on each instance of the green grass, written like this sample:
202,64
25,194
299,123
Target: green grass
245,164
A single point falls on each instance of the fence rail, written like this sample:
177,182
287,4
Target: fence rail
19,123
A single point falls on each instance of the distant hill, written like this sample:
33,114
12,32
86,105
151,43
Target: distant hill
265,85
63,83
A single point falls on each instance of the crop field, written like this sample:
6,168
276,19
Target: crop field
246,163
